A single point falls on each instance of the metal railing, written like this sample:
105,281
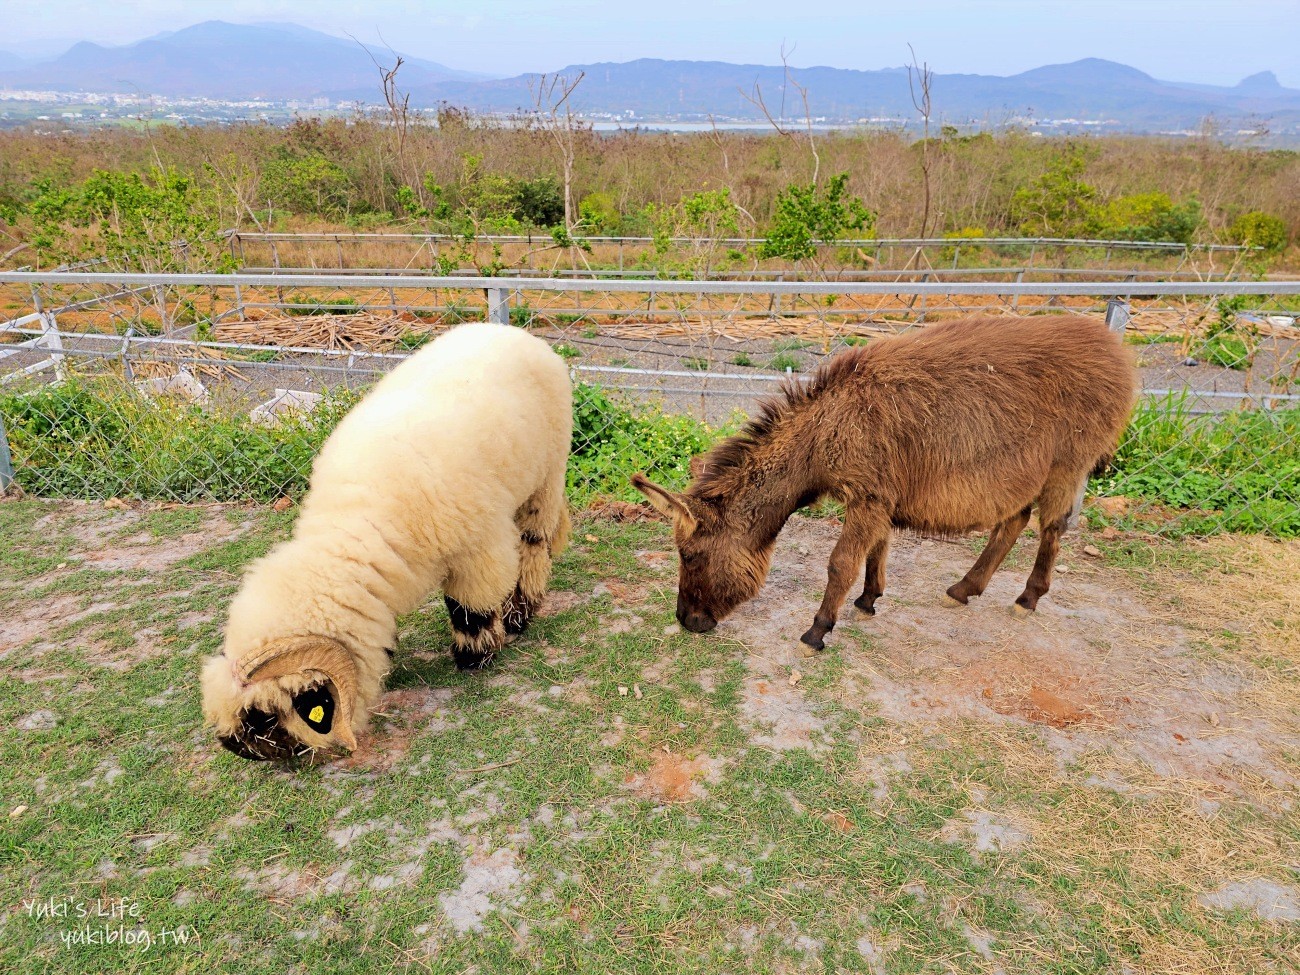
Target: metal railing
252,342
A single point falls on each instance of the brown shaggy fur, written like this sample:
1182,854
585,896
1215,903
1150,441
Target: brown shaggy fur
961,426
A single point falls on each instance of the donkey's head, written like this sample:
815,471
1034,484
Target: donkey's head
287,699
720,568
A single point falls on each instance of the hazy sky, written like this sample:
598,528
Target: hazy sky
1209,41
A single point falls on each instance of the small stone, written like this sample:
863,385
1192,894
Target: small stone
17,811
283,503
1189,361
622,691
592,538
1063,569
795,678
672,628
1214,718
636,691
62,565
1092,551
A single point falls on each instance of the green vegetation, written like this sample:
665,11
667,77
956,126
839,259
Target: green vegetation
614,439
1235,472
785,362
88,438
806,215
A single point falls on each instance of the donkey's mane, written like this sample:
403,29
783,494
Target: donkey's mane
794,397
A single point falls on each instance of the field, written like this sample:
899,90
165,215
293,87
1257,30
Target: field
1110,786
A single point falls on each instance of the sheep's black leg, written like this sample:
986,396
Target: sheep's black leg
478,635
516,612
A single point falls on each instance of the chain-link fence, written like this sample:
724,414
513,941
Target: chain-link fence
920,259
189,387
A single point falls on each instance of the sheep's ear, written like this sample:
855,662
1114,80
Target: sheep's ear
666,503
318,708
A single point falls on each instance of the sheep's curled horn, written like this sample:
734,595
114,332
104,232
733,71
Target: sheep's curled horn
321,719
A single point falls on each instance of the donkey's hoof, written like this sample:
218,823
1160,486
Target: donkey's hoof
1021,612
865,607
950,600
811,639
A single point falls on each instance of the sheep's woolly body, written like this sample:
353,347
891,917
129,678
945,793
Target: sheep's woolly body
424,485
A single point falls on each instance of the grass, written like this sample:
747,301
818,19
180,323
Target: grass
1237,471
544,781
1181,474
785,362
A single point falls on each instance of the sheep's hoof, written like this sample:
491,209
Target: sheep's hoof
1021,612
469,660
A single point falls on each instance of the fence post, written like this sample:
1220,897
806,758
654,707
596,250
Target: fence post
1117,314
6,462
498,300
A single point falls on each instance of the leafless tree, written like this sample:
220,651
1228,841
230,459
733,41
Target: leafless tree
919,80
755,98
554,113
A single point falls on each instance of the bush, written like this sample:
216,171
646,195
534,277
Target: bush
1149,216
808,215
307,184
614,439
101,439
539,202
1259,229
1236,471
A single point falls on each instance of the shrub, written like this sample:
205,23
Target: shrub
807,215
614,439
539,202
1057,203
1236,471
1149,216
1259,229
307,184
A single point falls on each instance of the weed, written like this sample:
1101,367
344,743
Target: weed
742,359
784,362
566,352
697,363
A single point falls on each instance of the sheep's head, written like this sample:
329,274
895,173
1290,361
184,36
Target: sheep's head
289,698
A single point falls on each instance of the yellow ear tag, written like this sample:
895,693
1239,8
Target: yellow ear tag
315,715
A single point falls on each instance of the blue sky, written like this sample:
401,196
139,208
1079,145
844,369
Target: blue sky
1208,41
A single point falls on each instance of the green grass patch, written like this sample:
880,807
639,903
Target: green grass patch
1236,471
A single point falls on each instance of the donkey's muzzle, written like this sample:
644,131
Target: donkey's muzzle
261,738
697,622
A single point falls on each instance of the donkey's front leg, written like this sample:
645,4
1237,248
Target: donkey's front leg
864,530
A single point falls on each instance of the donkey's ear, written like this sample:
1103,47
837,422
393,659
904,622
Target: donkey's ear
698,466
666,502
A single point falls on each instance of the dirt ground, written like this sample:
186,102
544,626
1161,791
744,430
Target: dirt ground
634,797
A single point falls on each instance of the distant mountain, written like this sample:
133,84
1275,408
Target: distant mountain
280,62
226,61
1091,89
9,61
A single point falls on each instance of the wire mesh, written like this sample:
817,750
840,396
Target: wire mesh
212,387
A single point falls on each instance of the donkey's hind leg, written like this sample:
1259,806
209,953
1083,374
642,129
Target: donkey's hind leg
543,522
873,585
1054,507
1001,539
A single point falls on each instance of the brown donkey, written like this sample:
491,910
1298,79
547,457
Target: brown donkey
961,426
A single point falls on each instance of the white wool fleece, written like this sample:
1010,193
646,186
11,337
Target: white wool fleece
416,490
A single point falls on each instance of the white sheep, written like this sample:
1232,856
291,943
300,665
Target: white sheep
448,475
